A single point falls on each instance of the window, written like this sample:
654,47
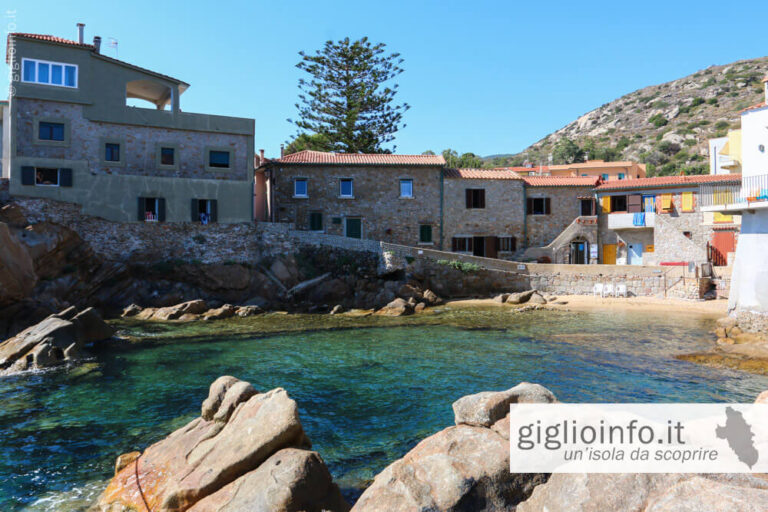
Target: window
204,211
315,221
507,244
345,188
635,203
687,202
300,187
49,73
46,177
50,131
605,177
538,206
621,176
218,159
475,197
112,152
587,207
425,234
462,244
406,188
151,209
168,156
688,235
618,203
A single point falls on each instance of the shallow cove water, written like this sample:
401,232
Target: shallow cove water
368,389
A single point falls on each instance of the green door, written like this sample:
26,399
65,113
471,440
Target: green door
354,228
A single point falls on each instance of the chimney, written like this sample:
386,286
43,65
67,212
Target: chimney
282,150
81,33
261,156
97,44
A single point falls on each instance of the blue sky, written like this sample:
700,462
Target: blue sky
480,76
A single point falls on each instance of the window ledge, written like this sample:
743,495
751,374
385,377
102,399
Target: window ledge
300,197
407,197
346,197
426,243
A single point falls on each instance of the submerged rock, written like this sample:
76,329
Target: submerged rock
246,452
397,307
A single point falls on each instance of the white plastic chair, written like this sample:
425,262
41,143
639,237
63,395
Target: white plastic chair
621,290
608,289
597,289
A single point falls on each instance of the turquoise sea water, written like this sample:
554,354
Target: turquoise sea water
366,394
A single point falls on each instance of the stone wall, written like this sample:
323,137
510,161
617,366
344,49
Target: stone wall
138,144
565,207
502,216
384,214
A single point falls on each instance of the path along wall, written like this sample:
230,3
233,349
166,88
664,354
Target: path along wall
222,243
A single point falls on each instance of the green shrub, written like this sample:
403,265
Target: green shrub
712,101
463,266
657,120
722,125
696,102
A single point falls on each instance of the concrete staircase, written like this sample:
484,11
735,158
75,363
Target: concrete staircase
581,226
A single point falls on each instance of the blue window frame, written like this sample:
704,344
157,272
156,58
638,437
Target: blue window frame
51,131
406,188
112,152
300,187
621,175
49,73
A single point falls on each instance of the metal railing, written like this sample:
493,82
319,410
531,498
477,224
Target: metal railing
753,189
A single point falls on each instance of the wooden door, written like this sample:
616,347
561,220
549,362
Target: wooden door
354,228
723,242
491,247
609,254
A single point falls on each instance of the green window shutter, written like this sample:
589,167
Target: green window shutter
65,177
161,209
425,233
194,213
315,221
141,209
214,211
27,175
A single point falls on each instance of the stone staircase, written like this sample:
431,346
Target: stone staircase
584,226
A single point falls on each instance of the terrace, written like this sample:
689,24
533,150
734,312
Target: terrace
752,194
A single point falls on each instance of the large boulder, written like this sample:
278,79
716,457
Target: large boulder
520,297
17,270
240,432
462,468
431,298
630,492
397,307
38,346
487,407
291,480
91,327
192,307
225,311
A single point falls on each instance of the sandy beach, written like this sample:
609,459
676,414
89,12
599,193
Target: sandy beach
710,309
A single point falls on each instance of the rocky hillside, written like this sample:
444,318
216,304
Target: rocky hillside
665,126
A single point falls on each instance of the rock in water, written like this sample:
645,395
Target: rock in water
520,297
463,468
247,452
397,307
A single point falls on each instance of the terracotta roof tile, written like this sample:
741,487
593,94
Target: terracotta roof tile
670,181
481,174
309,157
753,107
561,181
41,37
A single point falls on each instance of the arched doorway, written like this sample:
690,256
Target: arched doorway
579,252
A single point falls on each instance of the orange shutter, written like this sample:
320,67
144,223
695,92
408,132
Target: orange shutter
606,202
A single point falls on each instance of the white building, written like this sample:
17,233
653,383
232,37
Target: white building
715,159
749,286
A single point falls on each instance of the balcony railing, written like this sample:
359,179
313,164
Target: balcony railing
631,220
752,193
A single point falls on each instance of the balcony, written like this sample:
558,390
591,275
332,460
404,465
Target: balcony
752,194
631,220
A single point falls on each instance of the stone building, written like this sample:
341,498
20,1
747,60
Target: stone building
659,221
71,133
484,212
391,198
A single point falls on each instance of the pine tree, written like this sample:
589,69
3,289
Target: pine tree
347,100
